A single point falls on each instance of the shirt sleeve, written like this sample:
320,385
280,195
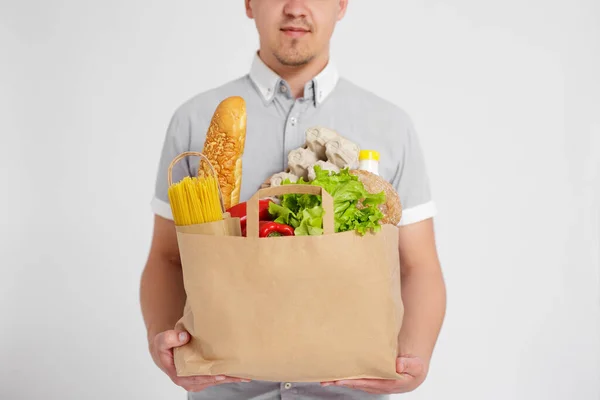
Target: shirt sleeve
176,141
412,181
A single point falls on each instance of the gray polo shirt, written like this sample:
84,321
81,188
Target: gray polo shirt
276,124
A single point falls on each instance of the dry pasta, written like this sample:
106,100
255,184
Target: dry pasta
195,200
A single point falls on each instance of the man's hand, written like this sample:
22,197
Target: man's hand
161,349
411,368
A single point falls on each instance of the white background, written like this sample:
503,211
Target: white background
505,95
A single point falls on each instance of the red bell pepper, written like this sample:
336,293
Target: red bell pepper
239,211
270,228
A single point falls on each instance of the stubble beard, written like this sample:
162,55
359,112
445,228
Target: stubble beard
294,55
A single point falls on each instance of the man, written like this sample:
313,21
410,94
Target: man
293,85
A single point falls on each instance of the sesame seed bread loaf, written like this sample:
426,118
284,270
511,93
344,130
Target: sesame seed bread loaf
224,146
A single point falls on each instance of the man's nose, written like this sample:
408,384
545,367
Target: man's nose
295,8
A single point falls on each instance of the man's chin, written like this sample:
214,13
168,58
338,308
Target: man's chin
293,60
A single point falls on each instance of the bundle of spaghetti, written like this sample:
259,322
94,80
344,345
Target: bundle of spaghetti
195,200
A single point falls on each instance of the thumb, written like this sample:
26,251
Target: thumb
171,339
409,365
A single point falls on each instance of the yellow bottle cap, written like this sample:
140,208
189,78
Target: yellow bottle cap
368,155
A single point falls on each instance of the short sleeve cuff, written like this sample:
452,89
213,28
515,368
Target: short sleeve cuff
418,213
161,208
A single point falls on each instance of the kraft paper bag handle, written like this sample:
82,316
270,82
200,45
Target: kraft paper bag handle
181,156
252,205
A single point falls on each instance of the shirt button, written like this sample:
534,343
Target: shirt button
287,385
283,89
293,121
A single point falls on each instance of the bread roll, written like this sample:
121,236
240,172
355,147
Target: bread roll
224,146
391,209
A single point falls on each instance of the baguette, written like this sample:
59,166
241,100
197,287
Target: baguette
224,147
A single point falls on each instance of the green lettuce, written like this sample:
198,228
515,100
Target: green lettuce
305,213
311,221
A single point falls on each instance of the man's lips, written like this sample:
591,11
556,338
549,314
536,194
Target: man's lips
294,31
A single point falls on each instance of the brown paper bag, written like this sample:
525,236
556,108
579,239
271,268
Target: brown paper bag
292,308
226,227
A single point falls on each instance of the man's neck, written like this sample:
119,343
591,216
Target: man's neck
296,76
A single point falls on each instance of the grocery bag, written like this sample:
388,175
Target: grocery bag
291,308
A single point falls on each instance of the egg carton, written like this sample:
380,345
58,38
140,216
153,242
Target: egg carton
323,147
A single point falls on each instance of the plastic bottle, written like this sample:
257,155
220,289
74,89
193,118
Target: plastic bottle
368,160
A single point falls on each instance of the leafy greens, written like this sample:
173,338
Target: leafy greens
305,213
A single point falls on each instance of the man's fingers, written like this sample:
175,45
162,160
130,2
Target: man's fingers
412,366
164,343
169,339
372,384
203,380
163,349
408,367
199,388
166,360
379,386
198,383
190,387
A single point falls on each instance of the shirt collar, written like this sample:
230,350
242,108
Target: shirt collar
267,81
